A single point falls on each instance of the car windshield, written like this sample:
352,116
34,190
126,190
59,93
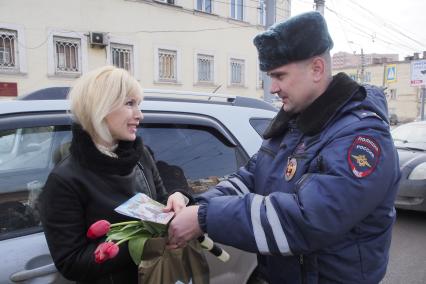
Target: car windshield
410,136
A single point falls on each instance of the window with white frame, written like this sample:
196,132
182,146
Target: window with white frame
262,12
205,66
67,55
204,5
237,9
237,67
167,65
122,56
8,50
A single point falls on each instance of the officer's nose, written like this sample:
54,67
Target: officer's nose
274,87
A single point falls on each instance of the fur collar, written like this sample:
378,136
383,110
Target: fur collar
85,152
312,120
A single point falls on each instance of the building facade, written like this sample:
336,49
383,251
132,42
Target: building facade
197,45
403,99
345,59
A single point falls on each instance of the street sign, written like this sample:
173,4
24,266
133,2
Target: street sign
390,73
8,89
418,73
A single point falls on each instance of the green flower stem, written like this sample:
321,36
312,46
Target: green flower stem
124,223
124,240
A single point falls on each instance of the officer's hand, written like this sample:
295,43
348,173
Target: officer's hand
184,227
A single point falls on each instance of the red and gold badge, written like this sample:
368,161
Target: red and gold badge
290,169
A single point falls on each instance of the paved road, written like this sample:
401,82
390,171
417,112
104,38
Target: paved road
408,250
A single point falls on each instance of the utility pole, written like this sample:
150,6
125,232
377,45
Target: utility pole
270,20
319,6
362,66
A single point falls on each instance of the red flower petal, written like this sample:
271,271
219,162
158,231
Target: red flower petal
98,229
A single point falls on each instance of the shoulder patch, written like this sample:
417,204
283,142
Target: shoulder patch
363,156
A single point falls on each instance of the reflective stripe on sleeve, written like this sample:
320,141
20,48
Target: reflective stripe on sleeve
243,188
274,221
259,234
229,185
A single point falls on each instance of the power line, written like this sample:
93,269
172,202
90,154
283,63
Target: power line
387,23
374,36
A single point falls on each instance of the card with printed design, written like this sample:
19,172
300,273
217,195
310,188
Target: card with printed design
142,207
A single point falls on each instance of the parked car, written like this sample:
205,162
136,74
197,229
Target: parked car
410,140
206,137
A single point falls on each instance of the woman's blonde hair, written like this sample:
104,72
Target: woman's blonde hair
96,94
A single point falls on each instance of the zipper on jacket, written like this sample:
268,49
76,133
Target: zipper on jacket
144,178
302,269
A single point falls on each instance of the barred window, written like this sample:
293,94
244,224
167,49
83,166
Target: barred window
205,68
122,56
204,5
67,55
8,50
237,71
167,60
237,9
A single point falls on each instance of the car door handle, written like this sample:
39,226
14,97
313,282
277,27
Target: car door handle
33,273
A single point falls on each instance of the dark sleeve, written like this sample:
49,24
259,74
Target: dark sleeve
158,182
62,210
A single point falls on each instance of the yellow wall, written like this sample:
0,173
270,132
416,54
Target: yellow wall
132,21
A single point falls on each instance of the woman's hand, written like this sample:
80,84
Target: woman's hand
176,202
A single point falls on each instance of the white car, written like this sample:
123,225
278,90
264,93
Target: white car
205,136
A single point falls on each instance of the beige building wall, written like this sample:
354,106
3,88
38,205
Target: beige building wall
144,25
401,97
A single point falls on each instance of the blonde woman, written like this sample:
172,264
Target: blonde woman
107,165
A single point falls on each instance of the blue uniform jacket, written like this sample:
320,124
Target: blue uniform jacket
317,200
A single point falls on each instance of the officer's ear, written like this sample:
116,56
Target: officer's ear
318,68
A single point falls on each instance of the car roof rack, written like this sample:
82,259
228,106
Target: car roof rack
187,96
58,93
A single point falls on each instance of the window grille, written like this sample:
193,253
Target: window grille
204,5
237,9
67,55
205,68
167,60
8,50
237,71
122,56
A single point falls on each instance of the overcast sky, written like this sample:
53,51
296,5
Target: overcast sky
378,26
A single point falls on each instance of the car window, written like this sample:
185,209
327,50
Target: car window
191,157
24,166
260,124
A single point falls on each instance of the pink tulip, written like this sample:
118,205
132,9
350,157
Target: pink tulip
106,251
98,229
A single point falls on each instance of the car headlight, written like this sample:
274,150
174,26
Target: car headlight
419,172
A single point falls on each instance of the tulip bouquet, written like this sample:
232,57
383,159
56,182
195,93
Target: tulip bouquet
136,233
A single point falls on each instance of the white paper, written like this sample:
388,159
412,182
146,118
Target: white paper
141,206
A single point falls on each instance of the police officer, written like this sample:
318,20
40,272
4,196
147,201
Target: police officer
316,203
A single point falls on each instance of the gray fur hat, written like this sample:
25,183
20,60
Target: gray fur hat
298,38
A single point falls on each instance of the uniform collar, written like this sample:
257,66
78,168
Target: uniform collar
312,120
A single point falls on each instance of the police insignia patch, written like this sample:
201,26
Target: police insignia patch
291,168
363,156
